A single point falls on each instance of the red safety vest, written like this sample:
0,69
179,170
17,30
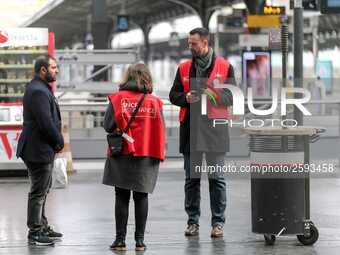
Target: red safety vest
147,129
220,72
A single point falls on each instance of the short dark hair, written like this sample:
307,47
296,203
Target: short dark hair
42,61
203,33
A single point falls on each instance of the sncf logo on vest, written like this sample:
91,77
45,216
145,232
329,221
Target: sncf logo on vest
147,109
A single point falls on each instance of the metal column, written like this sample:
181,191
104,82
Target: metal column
298,56
100,32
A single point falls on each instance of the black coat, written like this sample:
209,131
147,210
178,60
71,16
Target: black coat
202,136
41,137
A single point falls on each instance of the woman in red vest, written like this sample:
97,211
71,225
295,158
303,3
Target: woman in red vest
136,169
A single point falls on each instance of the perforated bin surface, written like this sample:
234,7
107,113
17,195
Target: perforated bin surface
277,200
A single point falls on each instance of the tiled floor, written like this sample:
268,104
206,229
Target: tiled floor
84,213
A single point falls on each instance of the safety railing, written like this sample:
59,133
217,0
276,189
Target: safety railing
91,114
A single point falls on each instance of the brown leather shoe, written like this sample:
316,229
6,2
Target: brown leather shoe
217,231
192,230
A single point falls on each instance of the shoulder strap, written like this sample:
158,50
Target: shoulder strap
135,113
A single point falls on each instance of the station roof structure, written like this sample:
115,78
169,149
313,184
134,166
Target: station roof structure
69,17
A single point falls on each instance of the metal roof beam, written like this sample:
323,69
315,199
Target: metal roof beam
42,13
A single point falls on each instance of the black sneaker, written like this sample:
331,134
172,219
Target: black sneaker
118,245
52,234
140,246
39,239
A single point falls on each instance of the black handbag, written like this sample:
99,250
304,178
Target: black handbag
115,140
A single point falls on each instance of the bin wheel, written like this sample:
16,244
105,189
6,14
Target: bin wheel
312,238
269,239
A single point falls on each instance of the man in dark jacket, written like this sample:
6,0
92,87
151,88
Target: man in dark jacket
198,136
39,141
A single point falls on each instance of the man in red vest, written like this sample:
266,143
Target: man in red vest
198,136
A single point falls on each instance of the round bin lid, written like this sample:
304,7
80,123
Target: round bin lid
299,130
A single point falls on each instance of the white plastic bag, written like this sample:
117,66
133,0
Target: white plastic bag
59,176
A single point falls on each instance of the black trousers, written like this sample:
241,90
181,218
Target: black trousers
122,213
40,175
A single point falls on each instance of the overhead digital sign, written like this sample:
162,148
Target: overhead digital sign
330,6
308,5
122,23
274,10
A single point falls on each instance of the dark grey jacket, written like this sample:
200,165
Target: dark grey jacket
128,172
197,132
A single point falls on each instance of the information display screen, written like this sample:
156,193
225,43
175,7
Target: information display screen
256,72
122,23
330,6
324,69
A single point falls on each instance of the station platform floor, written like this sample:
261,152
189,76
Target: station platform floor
84,213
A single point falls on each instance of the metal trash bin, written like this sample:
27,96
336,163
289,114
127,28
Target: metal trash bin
280,198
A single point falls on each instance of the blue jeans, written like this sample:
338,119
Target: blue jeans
192,188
